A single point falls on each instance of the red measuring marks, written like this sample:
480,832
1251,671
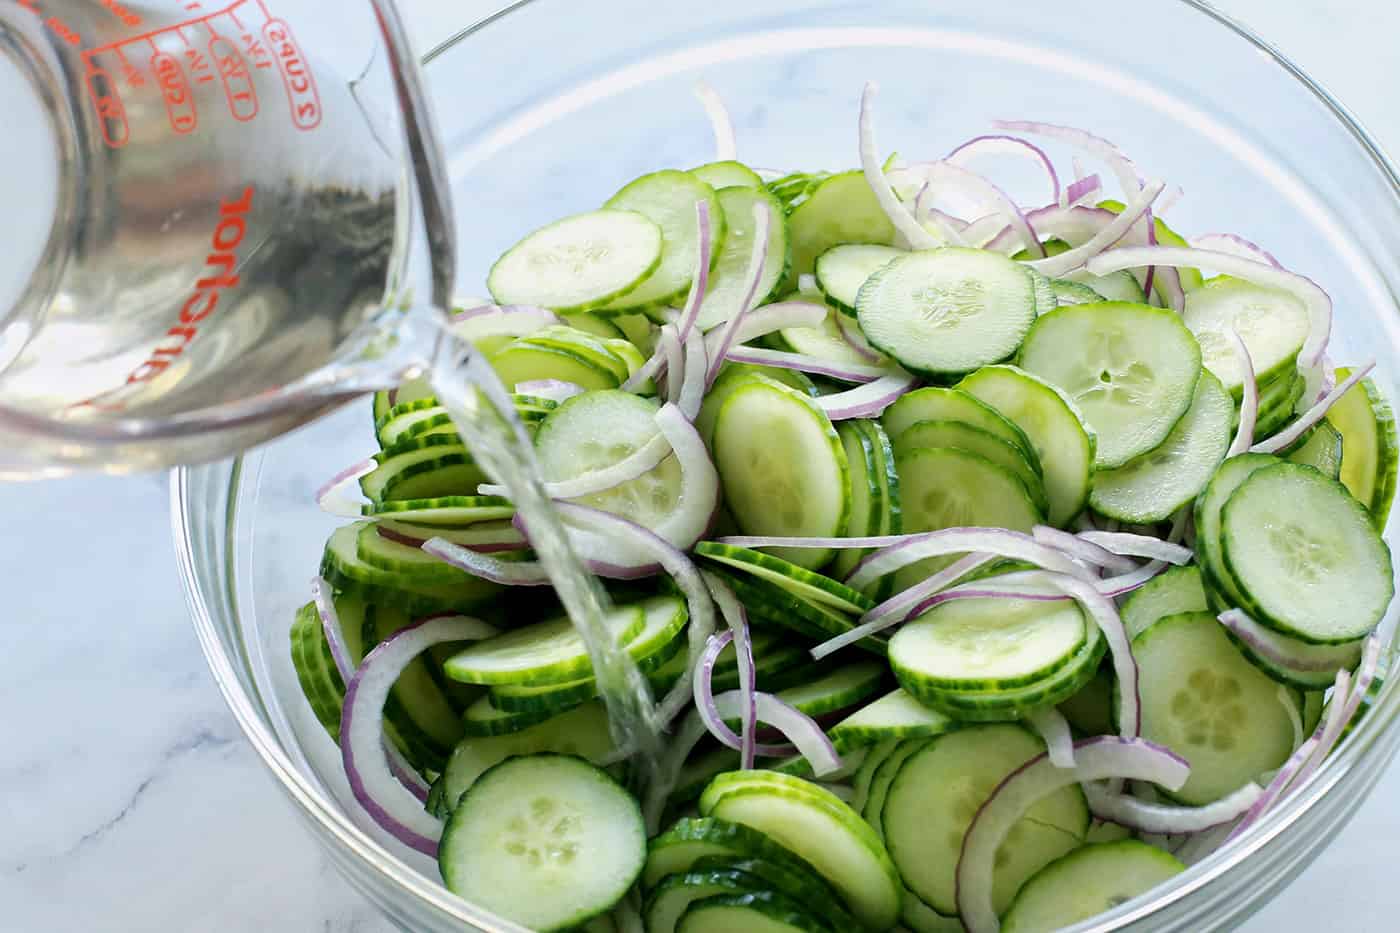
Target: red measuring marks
222,50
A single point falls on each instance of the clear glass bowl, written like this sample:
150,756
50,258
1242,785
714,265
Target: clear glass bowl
549,107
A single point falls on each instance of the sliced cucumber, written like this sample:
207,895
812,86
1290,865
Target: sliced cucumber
842,270
1045,298
1174,591
884,776
820,828
713,876
934,403
986,644
594,325
445,511
734,375
813,587
894,716
1191,279
836,689
729,282
1273,325
868,505
1305,555
585,345
939,790
1227,479
680,848
825,342
875,756
782,466
411,565
1369,447
549,841
580,262
753,912
1132,370
918,917
977,441
1205,702
482,719
524,361
1322,450
441,468
836,210
1075,293
727,174
1090,709
342,567
550,652
945,312
770,604
1088,882
1116,286
668,199
795,187
638,328
1152,487
1062,439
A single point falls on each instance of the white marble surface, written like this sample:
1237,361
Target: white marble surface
128,799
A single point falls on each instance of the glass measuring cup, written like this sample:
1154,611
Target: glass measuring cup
216,224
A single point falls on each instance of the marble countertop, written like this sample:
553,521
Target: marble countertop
130,801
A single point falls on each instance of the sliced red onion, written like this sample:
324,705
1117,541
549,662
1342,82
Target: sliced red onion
947,227
555,389
1290,653
954,175
700,491
713,712
669,343
1249,403
1173,194
1082,549
760,322
696,381
1054,731
802,362
700,279
1006,145
333,497
636,541
1000,542
850,332
1238,245
1317,382
504,572
374,785
1317,301
1146,817
726,147
736,617
801,730
1347,696
1075,225
1082,191
763,221
1025,584
1072,259
899,215
640,461
1127,544
1101,609
869,400
1095,760
1313,415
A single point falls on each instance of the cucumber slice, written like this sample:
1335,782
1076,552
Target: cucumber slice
1061,438
580,262
1075,293
782,466
825,342
733,375
1088,882
986,644
1116,286
1090,709
945,312
523,361
410,419
837,689
1306,555
729,282
1276,403
668,199
753,912
1191,279
1154,486
875,756
441,468
939,790
768,603
842,270
976,441
549,841
595,430
1132,370
1045,298
713,877
1272,324
867,492
802,883
918,917
1171,592
446,511
417,694
594,325
934,403
1322,450
411,565
639,329
321,694
343,569
884,776
836,210
727,174
894,716
1205,702
1222,486
821,829
795,187
813,587
680,848
579,343
483,719
1369,447
550,652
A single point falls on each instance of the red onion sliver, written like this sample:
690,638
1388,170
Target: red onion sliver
869,400
1313,415
713,711
700,279
330,627
1238,245
763,321
763,221
1082,549
899,215
1107,152
376,788
1290,653
846,372
1082,191
1124,221
726,147
1007,209
669,343
504,572
801,730
850,332
332,497
757,541
696,381
1095,759
1075,225
1053,728
642,460
1128,544
1145,817
1007,145
700,491
1317,301
1104,614
998,541
1249,402
736,617
556,389
1173,194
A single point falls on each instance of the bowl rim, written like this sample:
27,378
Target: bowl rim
392,869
